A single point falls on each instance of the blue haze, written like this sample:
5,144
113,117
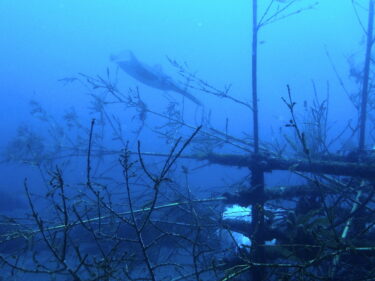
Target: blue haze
44,41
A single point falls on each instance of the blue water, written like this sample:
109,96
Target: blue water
42,42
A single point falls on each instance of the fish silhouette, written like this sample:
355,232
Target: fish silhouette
151,76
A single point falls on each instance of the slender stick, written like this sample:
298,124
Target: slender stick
254,70
257,173
366,72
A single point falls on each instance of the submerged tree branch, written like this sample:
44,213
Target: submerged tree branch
270,163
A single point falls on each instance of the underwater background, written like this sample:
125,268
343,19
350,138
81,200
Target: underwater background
45,42
52,52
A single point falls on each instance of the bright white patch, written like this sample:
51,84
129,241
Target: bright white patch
239,213
244,214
